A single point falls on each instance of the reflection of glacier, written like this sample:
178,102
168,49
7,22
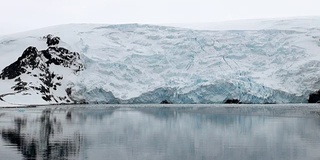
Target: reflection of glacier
176,133
138,132
146,64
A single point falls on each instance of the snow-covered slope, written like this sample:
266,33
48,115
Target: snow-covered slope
292,23
134,63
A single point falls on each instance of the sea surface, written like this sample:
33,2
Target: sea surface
161,132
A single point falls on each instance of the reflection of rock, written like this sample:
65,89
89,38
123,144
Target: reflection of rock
28,149
68,116
46,144
14,136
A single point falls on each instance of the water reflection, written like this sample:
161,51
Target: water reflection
163,133
41,143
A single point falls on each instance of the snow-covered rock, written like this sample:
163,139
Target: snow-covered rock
134,63
40,76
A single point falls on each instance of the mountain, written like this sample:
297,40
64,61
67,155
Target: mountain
41,75
136,63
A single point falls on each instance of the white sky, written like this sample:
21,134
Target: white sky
22,15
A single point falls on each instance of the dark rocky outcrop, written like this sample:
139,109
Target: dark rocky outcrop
165,102
37,64
314,97
52,40
28,58
232,101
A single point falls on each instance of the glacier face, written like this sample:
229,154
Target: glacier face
134,63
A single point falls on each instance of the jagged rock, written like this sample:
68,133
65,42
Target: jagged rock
165,102
314,97
69,91
28,59
68,116
52,40
232,101
37,65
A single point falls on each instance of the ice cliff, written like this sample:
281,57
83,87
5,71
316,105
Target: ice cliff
133,63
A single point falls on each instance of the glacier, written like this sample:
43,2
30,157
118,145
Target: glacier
140,63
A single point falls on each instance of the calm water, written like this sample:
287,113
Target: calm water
154,132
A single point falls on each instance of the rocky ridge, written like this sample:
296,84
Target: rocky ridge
42,72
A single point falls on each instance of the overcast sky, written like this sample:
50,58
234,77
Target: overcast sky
22,15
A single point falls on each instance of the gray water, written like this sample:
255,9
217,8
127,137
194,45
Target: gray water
161,132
